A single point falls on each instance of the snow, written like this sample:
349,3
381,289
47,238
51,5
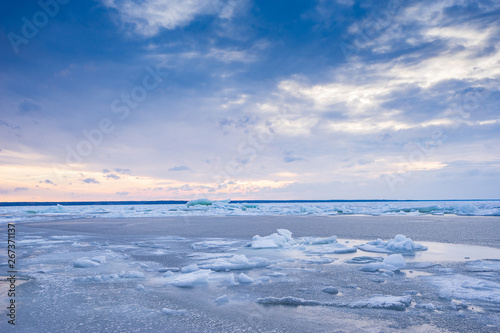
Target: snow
210,244
399,244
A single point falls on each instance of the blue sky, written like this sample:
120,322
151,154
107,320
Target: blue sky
241,99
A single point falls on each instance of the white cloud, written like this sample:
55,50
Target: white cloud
149,16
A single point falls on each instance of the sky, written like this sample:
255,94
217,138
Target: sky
249,99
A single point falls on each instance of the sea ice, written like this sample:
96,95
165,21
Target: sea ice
287,301
392,262
466,287
188,280
236,262
190,268
85,263
399,244
204,202
398,303
330,290
244,279
222,299
172,312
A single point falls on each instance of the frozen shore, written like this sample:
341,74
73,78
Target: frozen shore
259,274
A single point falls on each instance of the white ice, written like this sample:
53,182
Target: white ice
399,244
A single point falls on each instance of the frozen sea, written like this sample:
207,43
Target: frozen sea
255,267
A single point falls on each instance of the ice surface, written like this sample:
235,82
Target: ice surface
210,244
399,244
483,266
465,287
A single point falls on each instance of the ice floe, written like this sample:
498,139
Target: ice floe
236,262
399,244
392,262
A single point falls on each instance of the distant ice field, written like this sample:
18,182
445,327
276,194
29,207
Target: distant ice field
204,207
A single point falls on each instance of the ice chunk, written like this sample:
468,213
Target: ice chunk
189,268
392,262
364,260
330,290
168,274
445,293
286,233
238,262
221,300
400,244
287,301
132,275
272,241
426,306
85,263
172,312
245,279
204,202
398,303
395,260
319,240
139,287
189,280
212,244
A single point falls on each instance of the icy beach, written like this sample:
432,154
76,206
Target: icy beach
259,274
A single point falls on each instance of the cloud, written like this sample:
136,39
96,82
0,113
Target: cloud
122,171
113,176
148,17
123,193
21,189
105,171
90,181
180,168
47,181
28,107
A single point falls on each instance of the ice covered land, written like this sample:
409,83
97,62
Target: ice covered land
252,275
